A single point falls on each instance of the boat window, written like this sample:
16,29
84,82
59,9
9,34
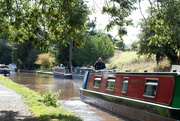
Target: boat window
110,83
125,84
150,87
75,71
97,81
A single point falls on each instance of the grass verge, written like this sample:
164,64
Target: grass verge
122,61
36,106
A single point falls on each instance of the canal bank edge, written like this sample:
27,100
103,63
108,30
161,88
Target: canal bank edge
36,106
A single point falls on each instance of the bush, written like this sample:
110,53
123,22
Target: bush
120,44
50,99
45,60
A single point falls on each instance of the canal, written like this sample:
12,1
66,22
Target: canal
69,94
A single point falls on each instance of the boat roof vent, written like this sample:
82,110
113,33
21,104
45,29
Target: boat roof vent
175,68
127,70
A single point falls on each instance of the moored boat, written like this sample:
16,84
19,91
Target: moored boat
135,96
79,72
4,69
62,72
13,67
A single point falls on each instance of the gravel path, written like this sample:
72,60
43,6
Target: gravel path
12,106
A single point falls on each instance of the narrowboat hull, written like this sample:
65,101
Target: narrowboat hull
77,77
134,110
135,96
62,75
62,72
5,72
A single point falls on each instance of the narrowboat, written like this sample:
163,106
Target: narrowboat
135,96
13,67
79,72
62,72
4,69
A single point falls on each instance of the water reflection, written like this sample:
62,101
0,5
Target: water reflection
69,94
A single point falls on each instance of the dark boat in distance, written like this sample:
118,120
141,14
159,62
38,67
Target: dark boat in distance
78,73
62,72
135,96
4,69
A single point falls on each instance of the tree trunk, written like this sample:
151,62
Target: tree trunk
171,54
14,55
70,53
173,57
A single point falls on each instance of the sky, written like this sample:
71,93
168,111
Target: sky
103,19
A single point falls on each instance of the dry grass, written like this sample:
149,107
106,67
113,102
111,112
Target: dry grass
122,61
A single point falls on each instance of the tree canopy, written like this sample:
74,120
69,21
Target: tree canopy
5,52
160,33
42,21
93,48
120,44
119,10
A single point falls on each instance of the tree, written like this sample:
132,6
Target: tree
32,57
120,44
113,39
61,20
5,52
134,46
45,60
119,10
61,52
93,48
160,32
25,54
22,53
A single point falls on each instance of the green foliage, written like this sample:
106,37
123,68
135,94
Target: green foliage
5,52
160,32
50,99
25,54
45,60
134,46
119,10
113,39
61,57
22,53
60,19
36,106
32,57
120,44
93,48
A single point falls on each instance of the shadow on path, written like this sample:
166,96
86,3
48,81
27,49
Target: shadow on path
14,116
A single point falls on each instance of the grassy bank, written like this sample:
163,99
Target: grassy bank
37,106
122,61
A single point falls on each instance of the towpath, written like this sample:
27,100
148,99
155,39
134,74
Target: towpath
12,106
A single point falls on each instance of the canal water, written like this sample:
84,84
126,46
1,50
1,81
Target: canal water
69,94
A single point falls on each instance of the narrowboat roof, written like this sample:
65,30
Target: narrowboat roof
135,73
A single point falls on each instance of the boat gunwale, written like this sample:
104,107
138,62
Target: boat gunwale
131,99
